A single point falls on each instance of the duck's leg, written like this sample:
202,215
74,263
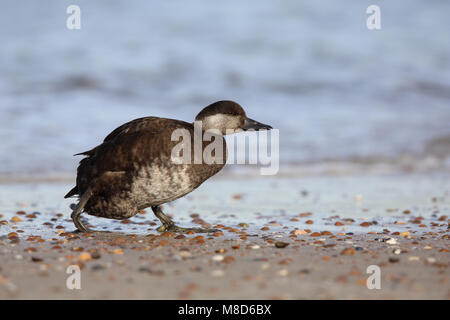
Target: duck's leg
79,209
169,225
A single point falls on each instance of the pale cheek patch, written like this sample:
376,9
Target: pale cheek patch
221,122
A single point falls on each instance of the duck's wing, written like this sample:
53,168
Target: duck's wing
126,150
146,124
138,125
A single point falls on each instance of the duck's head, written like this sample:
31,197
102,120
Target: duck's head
227,117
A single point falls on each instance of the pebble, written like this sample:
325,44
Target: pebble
228,259
285,261
217,257
413,258
84,256
167,234
280,244
305,214
405,234
391,241
95,255
185,254
348,251
393,259
218,234
283,272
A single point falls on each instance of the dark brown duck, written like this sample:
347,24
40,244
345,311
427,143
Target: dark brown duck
134,167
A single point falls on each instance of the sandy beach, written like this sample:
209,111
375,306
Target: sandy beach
312,238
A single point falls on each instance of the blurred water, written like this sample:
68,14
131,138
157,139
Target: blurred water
310,68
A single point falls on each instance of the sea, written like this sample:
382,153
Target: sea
344,98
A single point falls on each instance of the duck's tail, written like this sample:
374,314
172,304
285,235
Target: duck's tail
72,192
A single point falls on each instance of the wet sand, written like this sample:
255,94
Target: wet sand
298,238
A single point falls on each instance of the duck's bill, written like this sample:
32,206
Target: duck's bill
251,124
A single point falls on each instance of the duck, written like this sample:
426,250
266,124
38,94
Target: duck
134,168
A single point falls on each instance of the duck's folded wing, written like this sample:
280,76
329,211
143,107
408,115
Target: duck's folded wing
126,154
136,147
151,125
136,125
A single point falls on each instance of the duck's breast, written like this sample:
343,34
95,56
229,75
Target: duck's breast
160,182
